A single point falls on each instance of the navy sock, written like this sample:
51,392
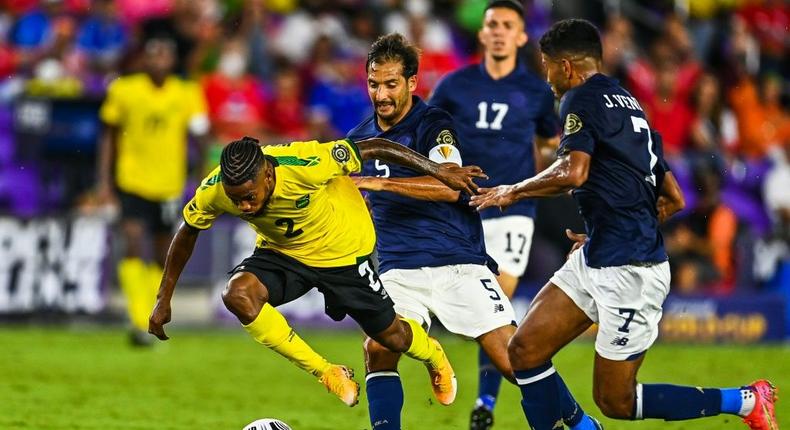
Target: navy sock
674,402
540,396
572,413
489,380
385,400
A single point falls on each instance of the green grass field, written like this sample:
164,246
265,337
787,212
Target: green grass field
90,379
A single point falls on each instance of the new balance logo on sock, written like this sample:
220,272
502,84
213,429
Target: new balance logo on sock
620,341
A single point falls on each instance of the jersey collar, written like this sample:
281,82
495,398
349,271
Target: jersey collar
592,81
520,68
167,82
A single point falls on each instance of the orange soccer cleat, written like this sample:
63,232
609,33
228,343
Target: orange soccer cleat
443,381
762,416
338,381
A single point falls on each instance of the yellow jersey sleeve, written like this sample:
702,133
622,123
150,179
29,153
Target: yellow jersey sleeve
111,111
201,211
323,160
195,99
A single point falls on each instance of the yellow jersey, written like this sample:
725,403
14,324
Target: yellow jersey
153,122
315,214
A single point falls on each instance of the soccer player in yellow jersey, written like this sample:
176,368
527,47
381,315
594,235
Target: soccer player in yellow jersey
143,156
314,231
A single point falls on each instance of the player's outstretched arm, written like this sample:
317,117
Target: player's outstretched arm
565,174
420,188
455,177
670,198
177,256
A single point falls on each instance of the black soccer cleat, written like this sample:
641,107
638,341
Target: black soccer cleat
482,418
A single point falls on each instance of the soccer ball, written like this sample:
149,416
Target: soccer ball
267,424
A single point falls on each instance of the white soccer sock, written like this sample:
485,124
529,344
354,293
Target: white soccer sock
749,401
638,400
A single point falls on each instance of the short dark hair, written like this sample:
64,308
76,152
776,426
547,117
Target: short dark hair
514,5
572,36
241,161
395,47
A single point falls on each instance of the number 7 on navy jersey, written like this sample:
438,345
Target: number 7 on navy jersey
639,125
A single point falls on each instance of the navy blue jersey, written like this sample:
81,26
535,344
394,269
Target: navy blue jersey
618,200
497,121
415,233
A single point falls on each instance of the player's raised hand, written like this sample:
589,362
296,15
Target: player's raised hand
460,178
578,240
159,317
501,196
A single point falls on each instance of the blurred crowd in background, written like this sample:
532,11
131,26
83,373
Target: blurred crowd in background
713,76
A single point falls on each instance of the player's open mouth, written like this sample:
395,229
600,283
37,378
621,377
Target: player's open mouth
381,109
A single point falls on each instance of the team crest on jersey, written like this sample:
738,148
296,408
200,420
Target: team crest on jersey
303,201
572,123
340,153
445,137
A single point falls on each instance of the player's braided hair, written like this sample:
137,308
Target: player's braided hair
241,161
395,47
572,36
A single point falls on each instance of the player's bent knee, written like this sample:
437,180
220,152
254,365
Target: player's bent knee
373,348
617,406
378,357
524,354
393,338
394,343
244,297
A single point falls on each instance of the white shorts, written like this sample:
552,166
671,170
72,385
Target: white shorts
466,298
625,301
508,241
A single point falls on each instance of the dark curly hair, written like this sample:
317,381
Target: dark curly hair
395,47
